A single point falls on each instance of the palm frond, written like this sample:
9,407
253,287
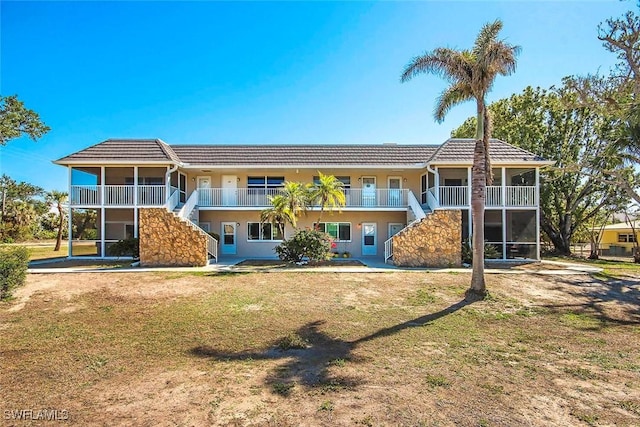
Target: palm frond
501,58
487,35
450,97
443,62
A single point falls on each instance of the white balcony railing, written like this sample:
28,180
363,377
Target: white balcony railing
257,197
454,196
117,195
458,196
494,195
151,195
520,195
88,195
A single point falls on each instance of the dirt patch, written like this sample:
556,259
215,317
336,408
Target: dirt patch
397,348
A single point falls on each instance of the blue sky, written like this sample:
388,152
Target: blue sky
262,72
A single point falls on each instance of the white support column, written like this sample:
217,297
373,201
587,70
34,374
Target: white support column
102,231
504,231
167,186
102,186
470,221
135,186
537,198
436,185
503,187
469,186
503,203
102,210
135,222
70,224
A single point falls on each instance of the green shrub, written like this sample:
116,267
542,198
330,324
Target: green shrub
127,247
313,245
490,252
13,269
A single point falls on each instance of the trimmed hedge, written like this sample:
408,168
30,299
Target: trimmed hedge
13,269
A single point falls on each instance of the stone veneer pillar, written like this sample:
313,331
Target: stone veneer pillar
166,240
434,241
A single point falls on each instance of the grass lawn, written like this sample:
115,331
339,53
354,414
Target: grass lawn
44,250
289,349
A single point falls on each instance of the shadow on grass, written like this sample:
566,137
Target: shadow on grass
316,352
609,299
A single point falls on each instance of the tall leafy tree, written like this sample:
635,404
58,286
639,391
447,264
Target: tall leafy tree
471,74
328,193
20,207
16,120
560,124
57,198
621,36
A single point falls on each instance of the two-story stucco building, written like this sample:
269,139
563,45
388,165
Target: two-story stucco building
223,188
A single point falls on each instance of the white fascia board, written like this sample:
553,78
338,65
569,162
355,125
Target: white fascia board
115,163
521,163
294,166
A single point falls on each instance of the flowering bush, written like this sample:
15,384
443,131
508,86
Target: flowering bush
313,245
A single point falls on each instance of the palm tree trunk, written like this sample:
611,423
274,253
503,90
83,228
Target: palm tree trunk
60,225
478,196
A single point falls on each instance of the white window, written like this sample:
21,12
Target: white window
340,231
263,232
264,182
626,238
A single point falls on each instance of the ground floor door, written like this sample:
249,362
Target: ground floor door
394,228
182,187
228,238
369,238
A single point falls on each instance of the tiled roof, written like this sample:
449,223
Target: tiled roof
384,154
458,150
156,150
126,151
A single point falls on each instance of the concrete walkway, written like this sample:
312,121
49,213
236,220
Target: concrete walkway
228,265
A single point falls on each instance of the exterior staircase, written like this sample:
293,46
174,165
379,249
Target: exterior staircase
186,212
415,213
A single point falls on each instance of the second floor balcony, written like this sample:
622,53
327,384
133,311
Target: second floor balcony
260,197
497,196
118,195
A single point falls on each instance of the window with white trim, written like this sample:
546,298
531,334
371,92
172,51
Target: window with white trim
626,238
264,182
263,232
339,231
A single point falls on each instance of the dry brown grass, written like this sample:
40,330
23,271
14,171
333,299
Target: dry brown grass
322,349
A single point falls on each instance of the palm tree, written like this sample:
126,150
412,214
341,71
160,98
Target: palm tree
471,74
296,195
278,214
328,192
287,206
58,198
